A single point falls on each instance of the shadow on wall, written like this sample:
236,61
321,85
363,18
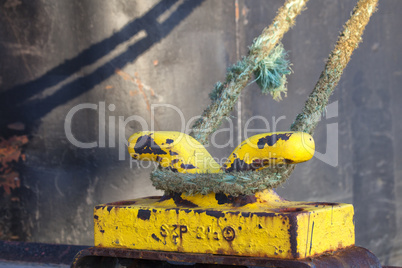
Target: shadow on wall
20,103
15,101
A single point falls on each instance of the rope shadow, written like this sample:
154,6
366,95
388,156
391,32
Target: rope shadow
15,102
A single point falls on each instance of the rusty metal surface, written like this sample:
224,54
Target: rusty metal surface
38,252
105,257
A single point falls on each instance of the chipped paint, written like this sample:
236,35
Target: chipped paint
270,140
262,225
268,149
172,150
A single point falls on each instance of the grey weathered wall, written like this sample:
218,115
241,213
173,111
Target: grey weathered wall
132,54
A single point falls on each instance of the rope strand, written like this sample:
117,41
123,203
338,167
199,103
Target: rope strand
240,74
240,183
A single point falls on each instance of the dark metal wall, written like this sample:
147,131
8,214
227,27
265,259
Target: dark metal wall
56,55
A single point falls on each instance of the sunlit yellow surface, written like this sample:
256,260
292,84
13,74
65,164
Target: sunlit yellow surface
182,153
174,150
263,225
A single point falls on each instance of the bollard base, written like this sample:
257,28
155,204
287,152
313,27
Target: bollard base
262,225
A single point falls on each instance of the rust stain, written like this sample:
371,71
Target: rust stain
139,84
237,12
108,87
124,75
141,89
10,152
156,62
133,93
9,180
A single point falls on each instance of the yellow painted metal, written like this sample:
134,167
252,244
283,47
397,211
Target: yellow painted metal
263,225
174,150
273,148
182,153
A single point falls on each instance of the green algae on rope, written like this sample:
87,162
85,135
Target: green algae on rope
348,41
267,61
225,94
238,183
234,183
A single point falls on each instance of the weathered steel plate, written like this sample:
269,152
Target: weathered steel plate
112,257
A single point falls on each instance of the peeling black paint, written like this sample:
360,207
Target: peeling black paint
293,234
238,165
169,141
216,214
246,214
288,161
237,201
316,204
222,198
146,145
178,200
165,197
187,166
172,153
96,217
174,161
241,165
109,208
144,214
177,210
272,139
171,169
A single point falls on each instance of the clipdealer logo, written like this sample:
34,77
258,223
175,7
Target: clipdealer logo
115,134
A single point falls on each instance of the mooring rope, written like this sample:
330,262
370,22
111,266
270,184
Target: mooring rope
259,61
225,95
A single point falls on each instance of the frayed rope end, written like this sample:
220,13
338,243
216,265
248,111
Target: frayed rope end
270,72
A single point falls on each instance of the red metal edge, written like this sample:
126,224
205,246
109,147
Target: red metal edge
348,257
